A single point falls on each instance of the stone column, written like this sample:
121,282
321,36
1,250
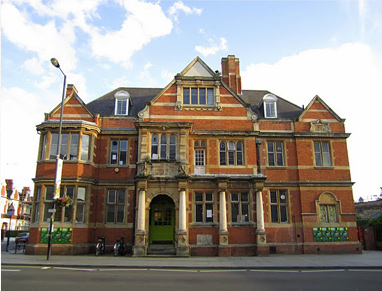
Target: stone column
260,211
261,236
140,247
182,246
224,248
141,211
182,211
223,213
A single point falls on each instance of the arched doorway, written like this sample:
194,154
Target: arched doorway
162,220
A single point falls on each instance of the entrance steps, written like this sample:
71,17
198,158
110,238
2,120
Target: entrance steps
161,250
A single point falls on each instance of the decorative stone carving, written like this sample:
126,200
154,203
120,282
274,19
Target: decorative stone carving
319,126
223,238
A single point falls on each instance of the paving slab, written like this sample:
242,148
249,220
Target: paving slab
368,259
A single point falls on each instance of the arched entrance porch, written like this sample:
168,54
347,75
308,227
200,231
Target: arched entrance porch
162,220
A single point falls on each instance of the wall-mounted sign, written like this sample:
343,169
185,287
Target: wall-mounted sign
328,234
59,235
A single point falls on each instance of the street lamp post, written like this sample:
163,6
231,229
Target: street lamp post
59,162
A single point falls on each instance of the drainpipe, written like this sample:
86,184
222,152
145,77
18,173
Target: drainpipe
258,144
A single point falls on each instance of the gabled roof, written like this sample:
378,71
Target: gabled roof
319,100
66,101
196,69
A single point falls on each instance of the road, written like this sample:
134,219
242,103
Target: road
60,278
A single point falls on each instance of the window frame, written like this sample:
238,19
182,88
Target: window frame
198,97
327,213
63,215
240,203
118,153
270,106
116,206
49,149
165,143
278,204
272,156
319,156
37,204
122,102
230,156
205,205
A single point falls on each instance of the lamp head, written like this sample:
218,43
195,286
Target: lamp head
55,62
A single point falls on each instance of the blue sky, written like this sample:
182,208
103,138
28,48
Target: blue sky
296,49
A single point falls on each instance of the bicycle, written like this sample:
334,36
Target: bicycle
120,248
20,245
100,247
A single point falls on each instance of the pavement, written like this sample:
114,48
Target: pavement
366,260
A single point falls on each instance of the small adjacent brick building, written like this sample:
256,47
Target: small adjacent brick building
201,166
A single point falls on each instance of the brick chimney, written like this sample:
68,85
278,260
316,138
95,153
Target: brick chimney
70,89
231,73
9,187
24,194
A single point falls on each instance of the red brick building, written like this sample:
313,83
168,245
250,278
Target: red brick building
200,166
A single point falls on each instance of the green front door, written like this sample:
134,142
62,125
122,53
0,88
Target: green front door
162,220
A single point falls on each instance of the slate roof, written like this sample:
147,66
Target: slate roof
139,97
104,105
285,109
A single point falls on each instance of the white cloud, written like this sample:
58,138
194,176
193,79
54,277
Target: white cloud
347,78
144,22
167,76
213,47
43,39
180,7
120,82
18,151
34,66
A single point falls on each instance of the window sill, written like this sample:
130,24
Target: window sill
329,224
323,168
230,166
118,166
204,224
65,161
276,167
242,224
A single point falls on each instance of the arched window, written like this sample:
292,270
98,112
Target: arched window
223,153
328,208
270,108
122,102
154,147
163,147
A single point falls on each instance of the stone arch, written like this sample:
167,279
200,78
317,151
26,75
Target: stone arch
152,195
327,197
326,204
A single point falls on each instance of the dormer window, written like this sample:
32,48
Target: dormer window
122,102
270,108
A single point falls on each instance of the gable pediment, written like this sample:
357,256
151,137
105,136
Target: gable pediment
316,110
197,68
74,108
